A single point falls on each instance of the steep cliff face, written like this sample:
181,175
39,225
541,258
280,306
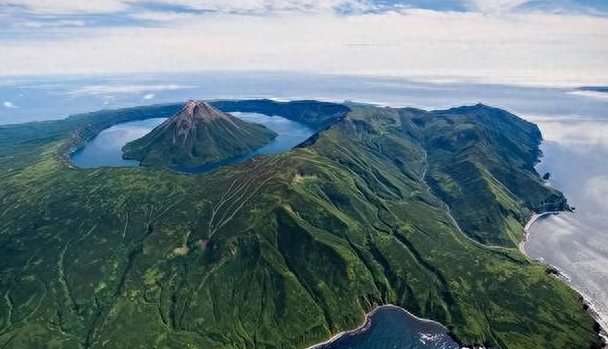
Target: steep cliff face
196,135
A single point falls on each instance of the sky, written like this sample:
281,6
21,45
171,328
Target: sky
544,42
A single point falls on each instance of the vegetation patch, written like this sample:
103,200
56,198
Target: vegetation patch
402,206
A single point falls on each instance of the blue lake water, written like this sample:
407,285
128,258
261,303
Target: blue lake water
290,133
390,327
105,148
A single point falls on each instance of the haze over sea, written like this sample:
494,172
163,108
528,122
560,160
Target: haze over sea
574,124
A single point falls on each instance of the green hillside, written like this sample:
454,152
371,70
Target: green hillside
284,250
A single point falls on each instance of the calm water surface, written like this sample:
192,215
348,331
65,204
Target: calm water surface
105,148
576,155
390,327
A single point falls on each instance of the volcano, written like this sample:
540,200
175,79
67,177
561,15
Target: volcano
197,135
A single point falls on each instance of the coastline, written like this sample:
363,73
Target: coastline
531,221
590,307
367,323
587,302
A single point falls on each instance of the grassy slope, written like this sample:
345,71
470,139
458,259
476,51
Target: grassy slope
482,165
281,251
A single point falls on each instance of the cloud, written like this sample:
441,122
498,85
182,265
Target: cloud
593,7
596,190
229,6
138,7
263,6
590,94
316,36
67,6
579,134
52,24
410,43
149,96
164,16
496,5
9,105
114,89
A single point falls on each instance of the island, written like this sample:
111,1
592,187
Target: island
420,209
197,135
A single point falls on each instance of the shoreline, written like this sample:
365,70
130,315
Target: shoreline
361,328
531,221
368,321
591,309
587,302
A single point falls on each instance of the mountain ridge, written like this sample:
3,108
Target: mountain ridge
286,250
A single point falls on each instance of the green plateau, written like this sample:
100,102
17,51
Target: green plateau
421,209
197,135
